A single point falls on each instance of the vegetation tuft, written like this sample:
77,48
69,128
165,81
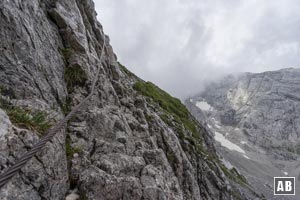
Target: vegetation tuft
71,150
233,174
171,105
26,119
74,76
22,117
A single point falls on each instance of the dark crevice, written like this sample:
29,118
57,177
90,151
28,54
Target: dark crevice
93,148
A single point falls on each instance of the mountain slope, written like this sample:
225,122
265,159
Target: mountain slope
130,141
254,118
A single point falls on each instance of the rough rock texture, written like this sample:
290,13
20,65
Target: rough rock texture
260,114
117,146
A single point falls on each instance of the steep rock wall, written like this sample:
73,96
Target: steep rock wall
122,145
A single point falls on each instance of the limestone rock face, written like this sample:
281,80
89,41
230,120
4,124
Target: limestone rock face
120,145
259,115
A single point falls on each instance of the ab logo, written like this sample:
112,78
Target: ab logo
284,185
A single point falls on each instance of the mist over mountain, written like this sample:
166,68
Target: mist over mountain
184,45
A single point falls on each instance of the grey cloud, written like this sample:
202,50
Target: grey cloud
183,45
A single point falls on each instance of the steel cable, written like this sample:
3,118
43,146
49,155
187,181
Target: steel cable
13,170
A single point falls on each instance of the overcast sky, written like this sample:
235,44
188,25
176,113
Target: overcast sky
181,45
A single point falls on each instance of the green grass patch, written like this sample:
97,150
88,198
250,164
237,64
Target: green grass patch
29,120
171,105
24,118
74,76
238,175
70,151
166,119
166,101
233,174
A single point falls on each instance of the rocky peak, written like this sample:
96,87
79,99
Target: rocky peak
254,118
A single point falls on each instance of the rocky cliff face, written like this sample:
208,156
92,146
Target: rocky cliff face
131,140
255,119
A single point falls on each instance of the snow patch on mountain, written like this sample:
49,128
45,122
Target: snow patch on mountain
228,144
203,105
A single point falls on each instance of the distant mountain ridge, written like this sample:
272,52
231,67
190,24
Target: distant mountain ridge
255,119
